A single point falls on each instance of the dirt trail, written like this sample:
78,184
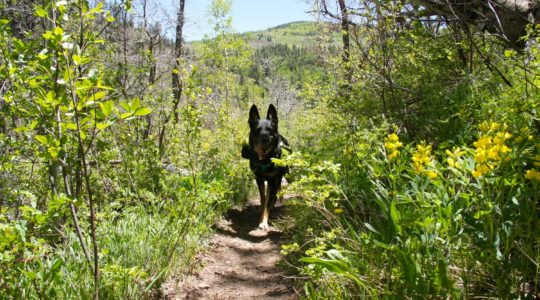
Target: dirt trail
240,263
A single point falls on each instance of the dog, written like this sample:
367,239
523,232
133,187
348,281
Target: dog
265,143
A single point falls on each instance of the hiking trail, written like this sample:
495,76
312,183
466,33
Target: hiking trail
240,261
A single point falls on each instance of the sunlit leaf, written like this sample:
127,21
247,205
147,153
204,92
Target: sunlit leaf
41,138
143,111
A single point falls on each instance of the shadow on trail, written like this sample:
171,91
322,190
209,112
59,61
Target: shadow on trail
245,221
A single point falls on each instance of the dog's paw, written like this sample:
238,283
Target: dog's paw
263,226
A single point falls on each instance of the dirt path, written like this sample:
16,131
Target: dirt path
240,263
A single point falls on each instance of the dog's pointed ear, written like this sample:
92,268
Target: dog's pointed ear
253,115
272,114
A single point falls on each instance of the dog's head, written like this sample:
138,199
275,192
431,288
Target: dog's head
263,135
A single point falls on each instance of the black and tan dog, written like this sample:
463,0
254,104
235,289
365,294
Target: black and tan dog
265,143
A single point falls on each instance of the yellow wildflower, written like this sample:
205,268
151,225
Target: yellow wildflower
490,148
484,127
453,159
393,155
431,174
393,138
536,159
480,156
421,158
493,153
532,174
392,145
452,162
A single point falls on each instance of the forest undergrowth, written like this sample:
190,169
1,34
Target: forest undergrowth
416,161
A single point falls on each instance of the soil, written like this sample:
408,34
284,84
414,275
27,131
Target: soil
241,261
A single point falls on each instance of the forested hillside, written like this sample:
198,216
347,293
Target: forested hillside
415,129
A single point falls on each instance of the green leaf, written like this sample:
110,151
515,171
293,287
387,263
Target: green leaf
332,265
335,266
371,228
47,35
50,97
126,106
98,95
126,115
106,107
102,126
58,30
509,53
42,139
135,104
42,55
71,126
394,215
76,59
40,12
143,111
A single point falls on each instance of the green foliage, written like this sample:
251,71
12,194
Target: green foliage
444,206
72,139
298,34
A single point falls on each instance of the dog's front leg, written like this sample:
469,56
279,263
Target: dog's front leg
273,188
263,224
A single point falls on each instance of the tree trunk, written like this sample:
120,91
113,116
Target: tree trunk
346,56
343,17
176,81
178,47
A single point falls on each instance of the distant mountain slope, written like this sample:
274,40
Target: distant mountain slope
290,50
300,34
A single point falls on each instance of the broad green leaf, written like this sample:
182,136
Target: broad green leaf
98,95
50,97
53,151
76,59
43,54
71,126
47,35
135,104
126,106
125,115
41,138
102,126
335,266
58,31
143,111
106,107
40,12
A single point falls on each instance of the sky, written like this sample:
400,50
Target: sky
248,15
